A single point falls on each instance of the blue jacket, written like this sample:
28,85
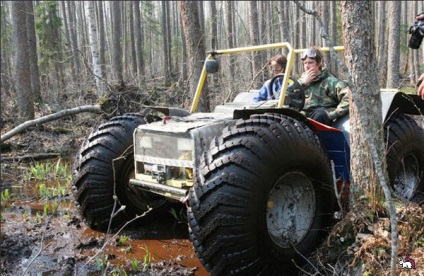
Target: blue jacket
264,93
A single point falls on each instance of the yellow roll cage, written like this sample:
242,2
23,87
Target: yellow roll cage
289,66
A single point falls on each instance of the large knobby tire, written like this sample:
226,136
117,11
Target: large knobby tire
94,182
405,157
263,200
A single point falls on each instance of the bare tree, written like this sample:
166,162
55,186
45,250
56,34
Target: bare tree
254,39
116,45
95,55
102,40
195,48
23,73
382,43
166,42
333,31
32,47
138,39
68,37
230,40
133,55
393,63
73,35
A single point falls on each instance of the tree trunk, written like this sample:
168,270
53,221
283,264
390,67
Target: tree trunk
80,26
254,40
23,73
68,36
169,39
124,40
116,44
184,65
366,138
32,47
138,40
133,55
333,30
382,43
393,63
73,35
419,7
195,49
359,43
213,34
102,35
230,44
201,16
165,43
92,30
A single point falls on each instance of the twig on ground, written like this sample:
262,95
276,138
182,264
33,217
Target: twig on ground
41,248
116,234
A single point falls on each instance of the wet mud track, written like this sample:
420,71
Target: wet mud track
34,242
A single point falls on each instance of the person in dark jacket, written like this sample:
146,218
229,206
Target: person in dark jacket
327,97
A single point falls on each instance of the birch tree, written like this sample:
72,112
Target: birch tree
95,55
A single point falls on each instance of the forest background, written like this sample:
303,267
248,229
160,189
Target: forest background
74,52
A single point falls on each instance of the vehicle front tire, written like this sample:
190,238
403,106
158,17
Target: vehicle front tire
263,200
106,157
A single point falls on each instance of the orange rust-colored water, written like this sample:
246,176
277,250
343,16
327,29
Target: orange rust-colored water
164,240
179,250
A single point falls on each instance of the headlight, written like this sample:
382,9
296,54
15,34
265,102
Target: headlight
171,149
184,144
146,142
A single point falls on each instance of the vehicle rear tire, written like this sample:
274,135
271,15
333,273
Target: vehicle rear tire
109,149
263,200
405,157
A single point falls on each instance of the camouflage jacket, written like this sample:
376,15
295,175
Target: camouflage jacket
328,92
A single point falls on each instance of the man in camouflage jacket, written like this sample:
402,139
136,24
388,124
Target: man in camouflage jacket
327,97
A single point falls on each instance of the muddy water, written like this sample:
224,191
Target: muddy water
162,245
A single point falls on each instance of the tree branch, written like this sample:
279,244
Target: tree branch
48,118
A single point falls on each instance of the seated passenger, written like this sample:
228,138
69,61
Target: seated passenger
327,97
277,65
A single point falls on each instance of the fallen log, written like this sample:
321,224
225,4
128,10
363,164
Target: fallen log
49,118
29,157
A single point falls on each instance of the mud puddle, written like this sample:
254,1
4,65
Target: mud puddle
43,235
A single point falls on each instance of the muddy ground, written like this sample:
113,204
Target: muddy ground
62,245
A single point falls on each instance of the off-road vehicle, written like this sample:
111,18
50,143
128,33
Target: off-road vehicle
257,178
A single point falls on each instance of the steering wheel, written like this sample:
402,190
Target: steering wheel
295,95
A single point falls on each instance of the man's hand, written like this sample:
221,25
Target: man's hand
420,90
310,76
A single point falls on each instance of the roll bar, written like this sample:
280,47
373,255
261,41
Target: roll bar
282,45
